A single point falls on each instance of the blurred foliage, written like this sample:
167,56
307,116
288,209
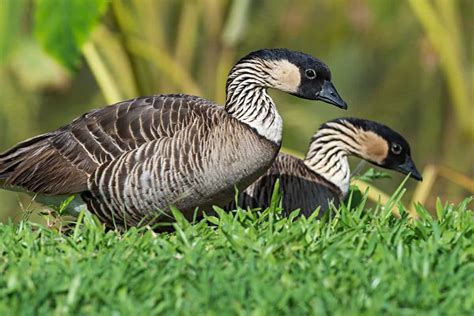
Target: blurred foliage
440,20
406,64
62,27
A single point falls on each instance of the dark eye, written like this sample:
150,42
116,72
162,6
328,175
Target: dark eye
310,73
396,148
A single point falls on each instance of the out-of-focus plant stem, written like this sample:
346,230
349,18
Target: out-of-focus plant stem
446,42
213,12
236,23
188,29
168,66
10,24
451,17
103,76
234,30
110,66
226,59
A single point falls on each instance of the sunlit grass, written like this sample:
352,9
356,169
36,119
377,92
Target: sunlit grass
358,261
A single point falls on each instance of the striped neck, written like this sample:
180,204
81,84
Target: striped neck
249,102
328,151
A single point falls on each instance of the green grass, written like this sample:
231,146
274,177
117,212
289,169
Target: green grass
359,262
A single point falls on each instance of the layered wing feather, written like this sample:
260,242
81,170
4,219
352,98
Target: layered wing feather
60,162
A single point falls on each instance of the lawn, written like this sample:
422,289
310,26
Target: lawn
360,261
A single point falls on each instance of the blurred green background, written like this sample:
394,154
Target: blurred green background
407,64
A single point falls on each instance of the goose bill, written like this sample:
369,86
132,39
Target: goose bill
330,95
409,168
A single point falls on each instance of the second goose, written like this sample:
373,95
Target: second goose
129,161
324,175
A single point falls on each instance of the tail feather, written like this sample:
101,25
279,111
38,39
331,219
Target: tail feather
10,159
37,166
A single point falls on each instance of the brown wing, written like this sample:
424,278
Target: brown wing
60,162
300,188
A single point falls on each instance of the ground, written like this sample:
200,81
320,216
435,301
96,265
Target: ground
360,261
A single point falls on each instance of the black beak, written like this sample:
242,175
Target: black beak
329,95
409,167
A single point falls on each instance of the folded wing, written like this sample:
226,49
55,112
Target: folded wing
61,162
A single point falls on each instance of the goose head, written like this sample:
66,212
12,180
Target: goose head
293,72
384,147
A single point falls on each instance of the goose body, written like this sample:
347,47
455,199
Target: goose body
323,176
130,161
301,187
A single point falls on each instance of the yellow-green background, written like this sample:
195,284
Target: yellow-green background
407,64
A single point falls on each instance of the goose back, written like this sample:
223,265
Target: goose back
60,162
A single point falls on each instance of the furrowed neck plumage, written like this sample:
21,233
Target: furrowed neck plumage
328,151
249,102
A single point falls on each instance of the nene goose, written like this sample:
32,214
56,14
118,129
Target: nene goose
323,176
130,161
